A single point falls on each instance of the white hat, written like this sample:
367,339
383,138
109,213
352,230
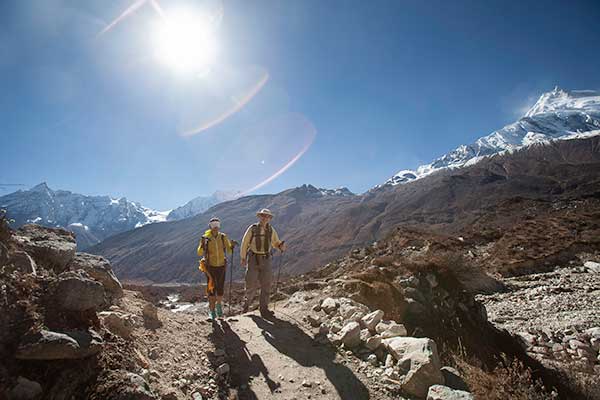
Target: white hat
265,211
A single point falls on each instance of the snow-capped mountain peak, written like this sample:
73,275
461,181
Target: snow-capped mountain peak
563,100
92,218
557,115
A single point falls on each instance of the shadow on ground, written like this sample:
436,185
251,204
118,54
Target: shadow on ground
244,365
292,341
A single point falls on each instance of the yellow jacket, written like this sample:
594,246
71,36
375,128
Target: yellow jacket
215,247
249,243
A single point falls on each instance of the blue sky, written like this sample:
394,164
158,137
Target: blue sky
365,88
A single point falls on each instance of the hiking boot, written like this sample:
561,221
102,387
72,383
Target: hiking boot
245,308
212,316
265,313
219,309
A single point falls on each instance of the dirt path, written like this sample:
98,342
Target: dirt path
277,358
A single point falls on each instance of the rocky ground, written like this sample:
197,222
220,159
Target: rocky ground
556,317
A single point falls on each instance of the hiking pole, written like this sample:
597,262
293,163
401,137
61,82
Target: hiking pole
279,272
231,278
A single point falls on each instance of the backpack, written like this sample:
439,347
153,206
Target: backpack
264,245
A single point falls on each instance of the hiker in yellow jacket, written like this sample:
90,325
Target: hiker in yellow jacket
213,245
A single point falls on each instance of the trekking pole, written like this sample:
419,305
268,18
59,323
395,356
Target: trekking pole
231,278
279,272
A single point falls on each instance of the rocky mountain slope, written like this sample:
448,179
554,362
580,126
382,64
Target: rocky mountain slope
489,198
91,218
557,115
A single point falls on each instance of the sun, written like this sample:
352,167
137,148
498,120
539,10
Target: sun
185,42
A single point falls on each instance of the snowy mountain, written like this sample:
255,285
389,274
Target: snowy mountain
557,115
92,218
200,204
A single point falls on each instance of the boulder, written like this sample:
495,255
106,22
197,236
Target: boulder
390,329
49,247
592,266
373,342
439,392
329,305
350,334
420,359
135,388
77,292
25,390
365,334
120,324
371,320
49,345
99,269
150,314
453,380
21,261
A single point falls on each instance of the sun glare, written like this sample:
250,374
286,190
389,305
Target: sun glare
185,42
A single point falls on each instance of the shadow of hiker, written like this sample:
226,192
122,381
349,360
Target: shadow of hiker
292,341
246,365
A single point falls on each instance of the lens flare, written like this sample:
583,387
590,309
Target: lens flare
287,132
238,104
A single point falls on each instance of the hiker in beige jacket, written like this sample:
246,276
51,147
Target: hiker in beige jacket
260,238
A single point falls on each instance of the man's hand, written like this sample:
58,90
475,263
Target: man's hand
234,244
244,263
282,246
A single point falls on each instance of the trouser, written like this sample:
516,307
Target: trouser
258,274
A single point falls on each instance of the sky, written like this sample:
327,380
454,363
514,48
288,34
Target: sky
183,98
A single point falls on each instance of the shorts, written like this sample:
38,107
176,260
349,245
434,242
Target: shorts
217,275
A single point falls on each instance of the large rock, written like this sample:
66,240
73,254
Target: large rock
99,269
439,392
420,359
48,345
373,342
390,329
25,390
150,314
453,380
329,305
350,334
49,247
23,262
371,320
77,292
592,266
118,323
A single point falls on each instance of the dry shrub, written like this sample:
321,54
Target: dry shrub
510,381
455,267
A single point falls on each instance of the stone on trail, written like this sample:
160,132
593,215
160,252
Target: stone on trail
120,324
439,392
420,358
592,266
329,305
150,314
390,329
350,334
371,320
48,345
373,342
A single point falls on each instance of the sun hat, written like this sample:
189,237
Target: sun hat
265,211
